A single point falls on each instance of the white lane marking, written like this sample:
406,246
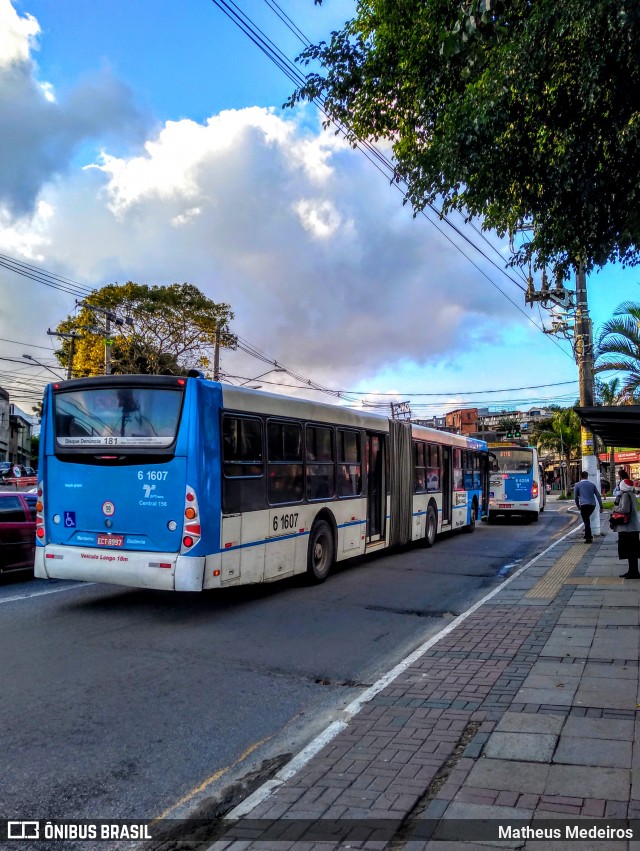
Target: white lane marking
44,593
305,755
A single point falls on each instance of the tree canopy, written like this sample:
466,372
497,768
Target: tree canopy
618,348
561,435
526,114
169,329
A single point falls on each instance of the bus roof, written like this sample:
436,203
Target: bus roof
261,402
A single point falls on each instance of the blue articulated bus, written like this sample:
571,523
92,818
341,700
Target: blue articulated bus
184,484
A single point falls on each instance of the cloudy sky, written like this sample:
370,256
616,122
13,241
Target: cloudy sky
146,141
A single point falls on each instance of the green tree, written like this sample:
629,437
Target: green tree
524,114
618,347
563,436
170,329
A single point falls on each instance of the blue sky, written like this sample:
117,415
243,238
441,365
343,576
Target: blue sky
147,142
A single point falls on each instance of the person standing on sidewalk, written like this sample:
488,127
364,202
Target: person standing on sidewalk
628,537
622,475
586,494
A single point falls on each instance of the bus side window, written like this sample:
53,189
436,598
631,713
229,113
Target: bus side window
477,470
241,447
458,481
284,448
320,467
349,463
433,468
420,466
467,474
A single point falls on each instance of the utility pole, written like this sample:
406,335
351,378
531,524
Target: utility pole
107,344
560,298
584,357
73,337
216,352
109,317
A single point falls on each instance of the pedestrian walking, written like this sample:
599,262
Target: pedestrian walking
628,533
622,475
586,494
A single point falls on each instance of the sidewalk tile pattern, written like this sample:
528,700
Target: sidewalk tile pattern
526,708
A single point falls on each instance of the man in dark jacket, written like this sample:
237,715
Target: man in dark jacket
586,495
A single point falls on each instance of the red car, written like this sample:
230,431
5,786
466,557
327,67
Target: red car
17,531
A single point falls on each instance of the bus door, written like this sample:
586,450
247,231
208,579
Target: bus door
376,491
446,485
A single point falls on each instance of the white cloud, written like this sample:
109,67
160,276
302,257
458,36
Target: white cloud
320,218
326,271
39,135
324,268
17,35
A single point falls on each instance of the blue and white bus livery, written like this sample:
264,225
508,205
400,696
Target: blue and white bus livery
516,483
185,484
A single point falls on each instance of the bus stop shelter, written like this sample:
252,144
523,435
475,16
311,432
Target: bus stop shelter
615,425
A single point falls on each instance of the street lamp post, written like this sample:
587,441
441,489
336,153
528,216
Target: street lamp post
43,365
262,375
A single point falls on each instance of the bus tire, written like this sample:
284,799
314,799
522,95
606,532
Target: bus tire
491,517
534,517
430,527
471,526
321,554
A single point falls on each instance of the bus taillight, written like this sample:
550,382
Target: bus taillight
534,490
191,532
40,533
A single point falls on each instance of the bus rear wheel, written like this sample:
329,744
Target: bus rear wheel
470,527
321,552
431,527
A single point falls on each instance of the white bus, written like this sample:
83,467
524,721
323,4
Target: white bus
185,484
516,483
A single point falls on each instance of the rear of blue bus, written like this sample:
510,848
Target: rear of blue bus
514,482
122,482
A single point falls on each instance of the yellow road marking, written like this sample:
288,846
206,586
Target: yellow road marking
215,776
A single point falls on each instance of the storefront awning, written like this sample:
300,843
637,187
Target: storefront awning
616,425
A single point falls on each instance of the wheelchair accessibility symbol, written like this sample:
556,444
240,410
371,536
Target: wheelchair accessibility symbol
70,519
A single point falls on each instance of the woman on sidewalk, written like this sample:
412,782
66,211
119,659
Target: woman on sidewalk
628,537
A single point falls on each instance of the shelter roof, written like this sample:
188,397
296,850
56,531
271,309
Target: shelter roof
616,425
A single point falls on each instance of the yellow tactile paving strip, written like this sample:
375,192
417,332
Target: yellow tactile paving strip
594,580
556,576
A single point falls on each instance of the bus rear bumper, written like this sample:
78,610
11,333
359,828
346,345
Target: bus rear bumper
160,571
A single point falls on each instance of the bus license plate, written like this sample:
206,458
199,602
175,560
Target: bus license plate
504,505
110,540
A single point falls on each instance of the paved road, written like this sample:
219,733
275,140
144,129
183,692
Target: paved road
131,704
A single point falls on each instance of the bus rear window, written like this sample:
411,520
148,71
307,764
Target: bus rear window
512,460
117,416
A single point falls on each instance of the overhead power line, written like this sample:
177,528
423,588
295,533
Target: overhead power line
41,276
245,23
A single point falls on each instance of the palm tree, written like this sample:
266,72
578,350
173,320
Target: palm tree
611,393
618,346
563,436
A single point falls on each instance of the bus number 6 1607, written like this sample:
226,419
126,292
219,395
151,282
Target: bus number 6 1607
285,521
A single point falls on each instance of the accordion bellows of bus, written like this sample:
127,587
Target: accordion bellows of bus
184,484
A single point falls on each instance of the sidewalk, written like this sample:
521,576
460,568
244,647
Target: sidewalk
523,710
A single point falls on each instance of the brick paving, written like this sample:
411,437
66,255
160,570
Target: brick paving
526,709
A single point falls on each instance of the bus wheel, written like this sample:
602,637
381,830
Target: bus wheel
321,555
472,520
534,517
431,527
